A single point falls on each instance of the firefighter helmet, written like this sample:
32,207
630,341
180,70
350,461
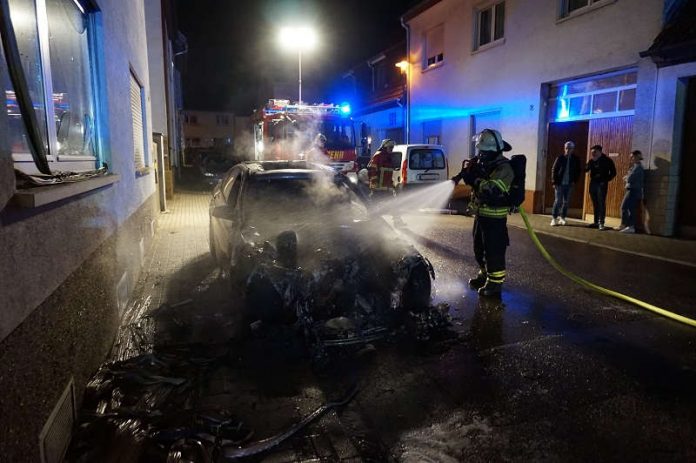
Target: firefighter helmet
320,139
491,140
386,143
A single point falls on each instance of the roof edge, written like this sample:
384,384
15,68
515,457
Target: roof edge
418,9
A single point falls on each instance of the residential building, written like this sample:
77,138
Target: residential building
548,71
377,93
79,97
207,130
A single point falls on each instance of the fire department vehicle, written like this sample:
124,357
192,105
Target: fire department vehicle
286,131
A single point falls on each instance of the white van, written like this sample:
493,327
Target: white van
419,165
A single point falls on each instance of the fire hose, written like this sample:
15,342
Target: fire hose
597,288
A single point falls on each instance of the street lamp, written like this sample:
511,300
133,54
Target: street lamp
300,39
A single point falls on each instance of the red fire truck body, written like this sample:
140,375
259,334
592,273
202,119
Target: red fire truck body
287,131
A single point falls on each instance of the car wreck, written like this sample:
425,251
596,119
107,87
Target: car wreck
300,244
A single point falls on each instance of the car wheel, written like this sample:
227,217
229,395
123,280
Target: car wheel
418,288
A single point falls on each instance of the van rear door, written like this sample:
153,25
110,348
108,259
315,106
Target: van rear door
426,165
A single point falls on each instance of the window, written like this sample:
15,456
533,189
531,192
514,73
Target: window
53,39
490,25
432,131
568,7
138,114
222,120
426,159
192,119
602,96
434,46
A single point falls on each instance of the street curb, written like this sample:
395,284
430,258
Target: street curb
605,246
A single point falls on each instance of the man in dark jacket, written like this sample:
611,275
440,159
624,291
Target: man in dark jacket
566,170
602,171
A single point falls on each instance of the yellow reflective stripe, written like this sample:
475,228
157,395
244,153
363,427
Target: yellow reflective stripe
493,212
502,185
496,280
382,172
497,274
495,182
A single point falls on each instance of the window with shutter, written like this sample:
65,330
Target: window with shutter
136,99
434,46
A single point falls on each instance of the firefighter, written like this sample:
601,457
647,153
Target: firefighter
380,173
317,153
490,175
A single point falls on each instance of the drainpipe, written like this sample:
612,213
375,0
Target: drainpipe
19,82
408,80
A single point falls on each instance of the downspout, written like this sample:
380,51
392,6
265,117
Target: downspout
408,80
19,82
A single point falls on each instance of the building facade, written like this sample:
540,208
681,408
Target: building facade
376,89
76,76
548,71
206,131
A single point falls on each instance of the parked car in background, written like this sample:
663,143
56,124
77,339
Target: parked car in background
299,242
419,165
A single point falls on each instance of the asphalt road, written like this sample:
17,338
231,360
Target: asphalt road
552,372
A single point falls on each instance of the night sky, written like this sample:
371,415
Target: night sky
233,52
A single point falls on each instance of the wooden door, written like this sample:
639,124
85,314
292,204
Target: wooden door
686,212
559,133
614,134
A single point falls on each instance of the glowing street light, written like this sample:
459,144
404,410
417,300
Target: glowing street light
300,39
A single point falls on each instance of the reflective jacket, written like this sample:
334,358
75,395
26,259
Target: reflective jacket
379,171
490,192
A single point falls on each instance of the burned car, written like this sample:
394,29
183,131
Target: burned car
300,244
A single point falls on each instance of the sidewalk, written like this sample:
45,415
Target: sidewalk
656,247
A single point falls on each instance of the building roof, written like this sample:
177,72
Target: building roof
418,9
676,43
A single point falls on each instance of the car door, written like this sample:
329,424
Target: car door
225,214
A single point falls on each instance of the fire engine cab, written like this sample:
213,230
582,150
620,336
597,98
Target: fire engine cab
286,131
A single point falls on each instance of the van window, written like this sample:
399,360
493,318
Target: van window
423,159
396,159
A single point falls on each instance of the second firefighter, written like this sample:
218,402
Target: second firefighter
490,175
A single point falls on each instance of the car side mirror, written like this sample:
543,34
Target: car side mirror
224,212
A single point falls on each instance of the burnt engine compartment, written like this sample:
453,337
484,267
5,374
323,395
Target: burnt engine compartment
342,285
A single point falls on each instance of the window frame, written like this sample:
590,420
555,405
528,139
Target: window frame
438,58
564,14
66,162
493,26
553,101
145,168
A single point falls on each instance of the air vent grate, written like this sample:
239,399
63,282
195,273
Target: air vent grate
55,435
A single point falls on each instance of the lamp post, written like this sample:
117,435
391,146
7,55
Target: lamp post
300,39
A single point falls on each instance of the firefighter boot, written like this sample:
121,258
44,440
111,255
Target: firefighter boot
491,289
478,282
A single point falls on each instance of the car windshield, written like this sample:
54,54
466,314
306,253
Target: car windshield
282,201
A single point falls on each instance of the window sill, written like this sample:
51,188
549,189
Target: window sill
142,172
585,10
43,195
433,66
488,46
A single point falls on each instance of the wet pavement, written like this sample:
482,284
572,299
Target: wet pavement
552,372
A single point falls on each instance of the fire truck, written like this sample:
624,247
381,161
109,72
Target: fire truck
286,131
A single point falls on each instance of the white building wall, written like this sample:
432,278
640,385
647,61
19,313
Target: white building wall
155,53
664,140
508,76
379,122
